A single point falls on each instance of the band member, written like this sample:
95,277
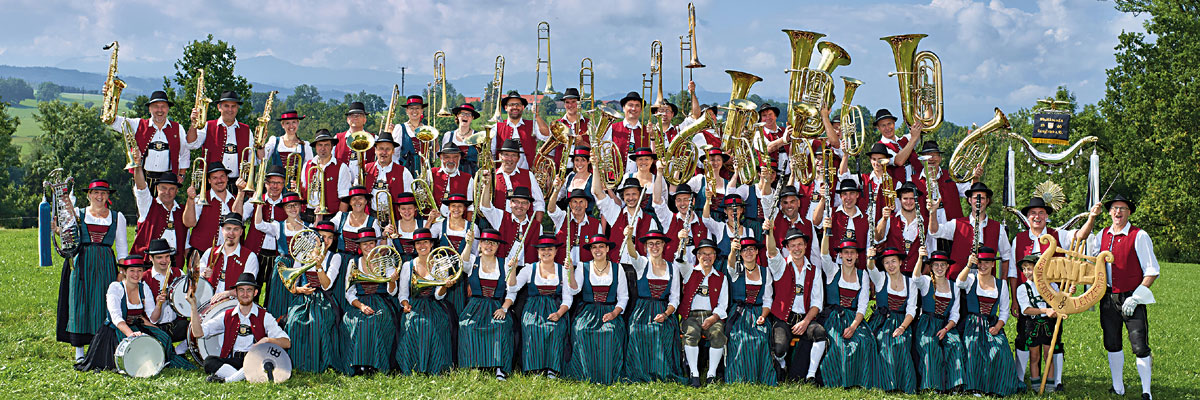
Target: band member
629,134
372,319
787,204
901,229
962,233
1133,271
652,353
386,174
450,178
349,225
1036,328
703,303
101,234
225,138
710,181
158,217
575,230
220,264
407,224
159,277
777,137
753,194
574,120
356,118
545,323
948,188
336,176
940,351
241,327
161,149
895,310
598,329
644,160
848,220
628,213
312,319
515,226
205,220
509,177
852,358
749,357
798,293
280,231
453,230
280,148
469,154
732,228
666,116
130,306
707,137
425,346
409,148
485,331
526,133
873,183
579,177
264,244
990,367
900,150
682,223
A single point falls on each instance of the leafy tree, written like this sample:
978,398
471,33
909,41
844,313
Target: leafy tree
10,165
303,94
218,59
13,90
48,91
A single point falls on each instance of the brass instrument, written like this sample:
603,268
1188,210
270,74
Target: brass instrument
800,154
609,162
201,102
387,117
422,188
544,35
111,92
931,172
360,142
690,44
381,201
307,250
803,43
656,71
439,78
213,257
854,124
587,80
738,137
246,167
58,185
544,167
920,76
200,178
483,142
974,149
681,155
291,174
316,190
377,261
445,266
131,146
497,92
812,86
888,187
257,142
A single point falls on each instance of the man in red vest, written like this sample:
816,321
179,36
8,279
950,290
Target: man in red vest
682,222
903,228
159,278
849,222
580,226
159,217
703,301
575,121
667,114
788,216
961,231
205,220
515,225
219,265
947,189
450,178
160,147
796,308
629,134
336,175
626,213
356,118
1133,270
241,327
900,150
526,132
384,173
510,175
225,138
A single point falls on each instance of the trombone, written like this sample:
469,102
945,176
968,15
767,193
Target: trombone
544,35
439,78
587,82
689,46
497,89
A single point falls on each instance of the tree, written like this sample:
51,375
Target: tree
13,90
10,164
1150,108
371,101
48,91
302,95
218,59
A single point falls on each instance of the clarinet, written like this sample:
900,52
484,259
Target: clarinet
976,228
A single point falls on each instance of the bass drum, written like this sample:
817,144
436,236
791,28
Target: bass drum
178,295
204,347
139,356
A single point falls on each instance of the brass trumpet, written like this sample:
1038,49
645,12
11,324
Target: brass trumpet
974,149
200,178
920,76
422,188
316,189
382,203
111,92
445,266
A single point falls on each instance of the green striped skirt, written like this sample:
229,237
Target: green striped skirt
897,371
940,361
850,362
990,367
456,296
484,342
545,341
371,337
425,344
93,269
597,348
654,347
317,335
748,355
278,299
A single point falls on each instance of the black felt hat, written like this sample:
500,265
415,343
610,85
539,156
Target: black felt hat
1121,198
230,95
159,97
883,114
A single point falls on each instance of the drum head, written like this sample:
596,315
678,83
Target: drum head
202,348
139,356
267,362
178,300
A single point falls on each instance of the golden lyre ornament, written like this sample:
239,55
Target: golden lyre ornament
202,102
854,123
307,250
544,35
377,261
200,178
974,149
1070,268
256,143
920,76
111,92
445,266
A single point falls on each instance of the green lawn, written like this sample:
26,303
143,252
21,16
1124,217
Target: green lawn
29,129
33,364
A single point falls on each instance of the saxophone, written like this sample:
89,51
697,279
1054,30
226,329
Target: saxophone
112,89
201,102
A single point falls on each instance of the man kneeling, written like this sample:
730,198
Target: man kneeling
242,326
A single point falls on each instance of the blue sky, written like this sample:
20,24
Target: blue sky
994,53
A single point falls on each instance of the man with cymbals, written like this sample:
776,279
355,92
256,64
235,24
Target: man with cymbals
225,138
161,149
336,176
526,132
241,327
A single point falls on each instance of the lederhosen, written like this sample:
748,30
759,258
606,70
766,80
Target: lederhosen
1126,276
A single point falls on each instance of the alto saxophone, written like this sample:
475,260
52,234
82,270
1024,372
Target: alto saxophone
201,102
111,93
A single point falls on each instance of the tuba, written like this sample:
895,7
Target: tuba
316,189
854,124
57,186
738,137
808,85
200,179
111,92
681,155
920,76
609,162
201,102
445,266
439,78
306,249
974,149
800,153
378,260
291,168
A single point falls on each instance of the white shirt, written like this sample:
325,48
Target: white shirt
275,144
352,291
120,237
337,221
383,171
1064,241
831,269
1028,297
216,326
911,230
1001,306
537,135
946,231
230,159
641,266
816,294
924,284
622,287
879,281
160,160
250,265
700,302
143,199
406,272
1142,244
168,313
553,280
116,292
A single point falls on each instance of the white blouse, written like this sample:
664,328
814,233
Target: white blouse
116,292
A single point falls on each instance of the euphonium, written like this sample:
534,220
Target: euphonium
306,252
200,178
444,266
377,261
681,154
740,117
800,154
974,149
920,76
439,78
316,189
545,167
201,102
609,162
111,92
291,175
854,124
58,185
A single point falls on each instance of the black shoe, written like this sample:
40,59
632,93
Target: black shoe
214,378
1146,396
710,380
812,380
1114,392
694,382
1059,388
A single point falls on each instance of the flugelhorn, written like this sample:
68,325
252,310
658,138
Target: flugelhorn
439,79
544,35
445,266
306,250
854,124
111,92
316,189
920,76
587,80
200,178
377,261
974,149
201,102
291,174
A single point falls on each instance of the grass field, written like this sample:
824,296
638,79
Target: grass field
33,365
29,129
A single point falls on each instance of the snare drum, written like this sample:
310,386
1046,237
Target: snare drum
178,295
140,356
202,348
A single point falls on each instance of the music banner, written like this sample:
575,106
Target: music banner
1052,128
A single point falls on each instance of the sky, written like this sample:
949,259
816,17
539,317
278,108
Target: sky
994,53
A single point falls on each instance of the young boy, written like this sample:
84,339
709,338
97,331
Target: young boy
1035,327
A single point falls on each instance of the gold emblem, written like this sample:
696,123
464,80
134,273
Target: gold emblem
702,290
244,330
1073,268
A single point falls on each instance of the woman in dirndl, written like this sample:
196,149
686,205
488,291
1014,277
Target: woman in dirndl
278,298
895,310
990,367
426,344
940,352
86,276
598,329
545,323
128,314
370,322
451,231
852,357
485,331
748,356
313,323
654,347
407,224
349,224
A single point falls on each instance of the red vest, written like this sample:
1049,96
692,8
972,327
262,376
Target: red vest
581,128
342,152
508,231
331,183
255,237
785,291
395,183
951,201
869,186
233,322
227,270
1126,265
460,184
157,221
964,233
616,233
693,285
216,136
520,178
782,224
1024,247
860,234
623,137
208,222
145,132
579,234
918,179
148,278
895,238
773,136
698,229
525,135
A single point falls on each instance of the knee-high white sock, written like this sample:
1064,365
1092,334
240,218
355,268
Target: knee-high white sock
814,358
1143,367
1022,363
1058,367
181,348
782,361
240,375
693,357
714,359
226,371
80,352
1116,365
